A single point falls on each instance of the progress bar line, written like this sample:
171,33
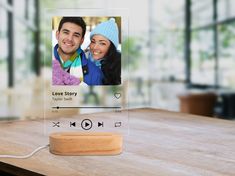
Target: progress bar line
87,107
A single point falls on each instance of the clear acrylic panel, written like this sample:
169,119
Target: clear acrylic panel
85,107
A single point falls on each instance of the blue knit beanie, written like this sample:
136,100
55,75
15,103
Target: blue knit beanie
108,29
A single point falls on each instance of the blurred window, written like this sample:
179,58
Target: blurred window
202,13
227,55
207,34
3,45
23,12
202,55
226,9
169,55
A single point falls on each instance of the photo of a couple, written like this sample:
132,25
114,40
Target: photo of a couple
98,64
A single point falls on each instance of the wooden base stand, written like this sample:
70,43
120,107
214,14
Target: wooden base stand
91,143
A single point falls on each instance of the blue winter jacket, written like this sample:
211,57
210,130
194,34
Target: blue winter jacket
92,75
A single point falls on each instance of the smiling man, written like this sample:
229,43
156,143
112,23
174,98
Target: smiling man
70,66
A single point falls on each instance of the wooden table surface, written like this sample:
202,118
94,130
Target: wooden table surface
160,143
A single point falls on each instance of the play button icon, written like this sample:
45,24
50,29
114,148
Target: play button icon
86,124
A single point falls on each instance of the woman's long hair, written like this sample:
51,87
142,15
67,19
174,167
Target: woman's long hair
111,66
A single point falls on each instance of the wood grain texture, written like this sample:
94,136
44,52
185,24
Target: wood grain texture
89,143
159,143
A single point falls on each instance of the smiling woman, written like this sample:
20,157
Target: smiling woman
104,53
99,46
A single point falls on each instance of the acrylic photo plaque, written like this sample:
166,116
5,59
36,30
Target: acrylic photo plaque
86,70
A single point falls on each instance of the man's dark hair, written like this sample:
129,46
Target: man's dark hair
76,20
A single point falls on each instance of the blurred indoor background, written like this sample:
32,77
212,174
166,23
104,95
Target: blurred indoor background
181,54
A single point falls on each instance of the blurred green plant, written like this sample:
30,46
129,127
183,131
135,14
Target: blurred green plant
202,38
227,38
131,53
